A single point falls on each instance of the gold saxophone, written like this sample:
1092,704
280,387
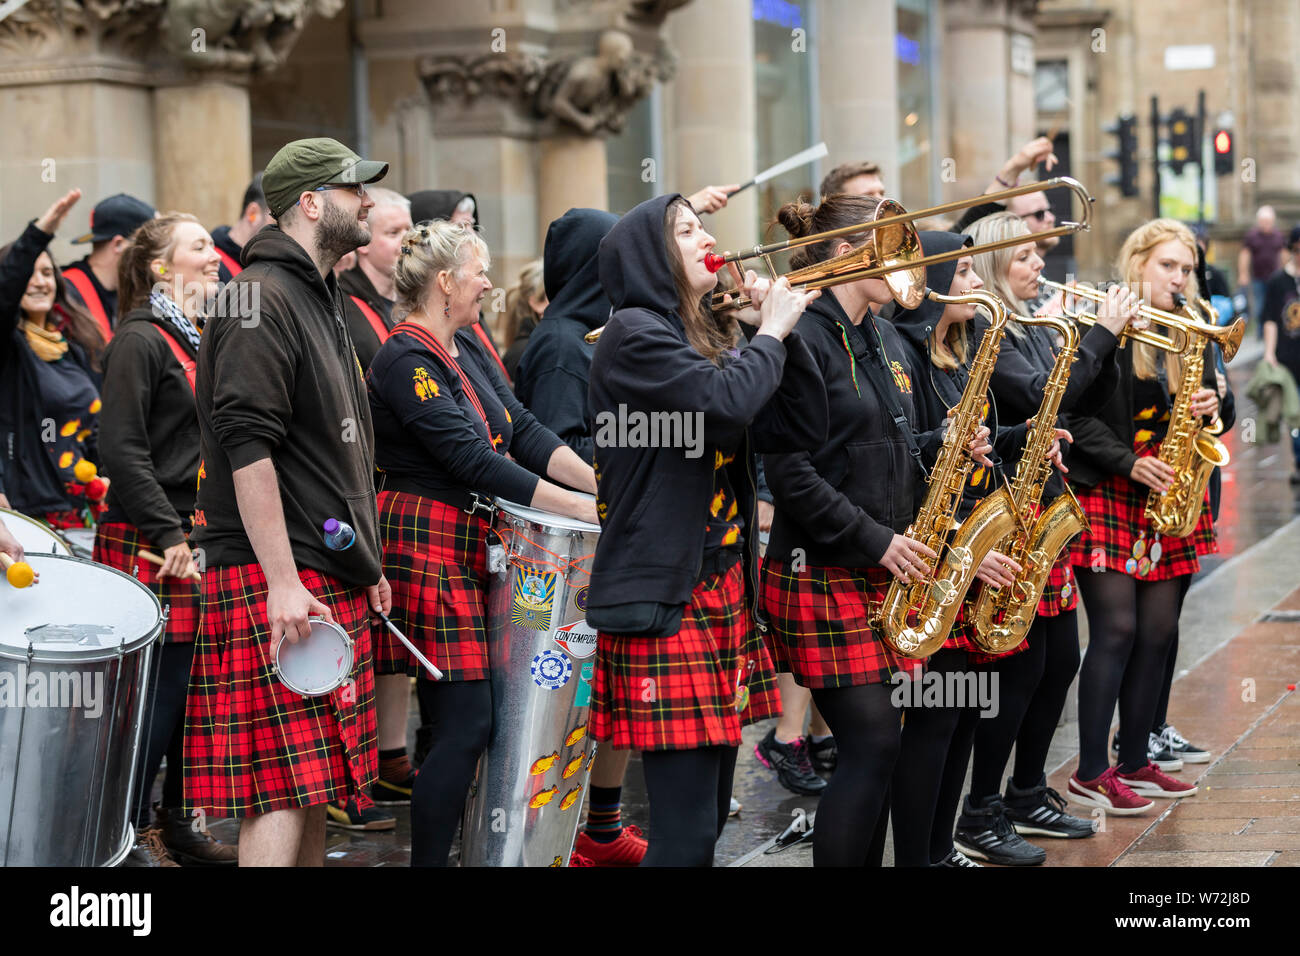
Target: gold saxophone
915,618
1190,449
1002,616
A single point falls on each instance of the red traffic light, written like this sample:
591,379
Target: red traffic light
1222,142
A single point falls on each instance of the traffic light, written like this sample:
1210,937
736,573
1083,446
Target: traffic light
1125,153
1224,165
1184,140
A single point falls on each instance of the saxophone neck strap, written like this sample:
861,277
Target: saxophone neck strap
872,361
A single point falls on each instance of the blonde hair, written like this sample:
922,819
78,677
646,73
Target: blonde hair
430,248
531,285
992,266
154,239
957,343
1132,260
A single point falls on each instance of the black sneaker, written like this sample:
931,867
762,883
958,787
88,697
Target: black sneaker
1180,746
957,859
1158,753
352,816
791,763
823,754
1040,811
985,833
390,793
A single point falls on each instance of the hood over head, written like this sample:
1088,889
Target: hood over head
633,262
570,267
429,204
915,325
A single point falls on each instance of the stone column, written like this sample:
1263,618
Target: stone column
203,147
712,109
572,173
1275,30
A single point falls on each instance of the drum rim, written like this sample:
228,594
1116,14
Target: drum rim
89,656
7,513
351,660
547,518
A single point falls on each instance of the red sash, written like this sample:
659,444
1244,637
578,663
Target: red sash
376,323
229,261
190,366
81,282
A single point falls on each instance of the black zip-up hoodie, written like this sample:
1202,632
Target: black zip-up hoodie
149,430
936,390
555,367
278,379
654,502
842,502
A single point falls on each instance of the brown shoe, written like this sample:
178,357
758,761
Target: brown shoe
191,843
149,850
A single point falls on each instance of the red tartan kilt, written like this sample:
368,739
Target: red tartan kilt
435,559
116,545
251,744
819,624
1116,512
1060,593
963,633
681,692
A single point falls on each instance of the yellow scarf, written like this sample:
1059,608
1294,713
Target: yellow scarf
48,346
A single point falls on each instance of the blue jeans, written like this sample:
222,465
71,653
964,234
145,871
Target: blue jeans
1257,287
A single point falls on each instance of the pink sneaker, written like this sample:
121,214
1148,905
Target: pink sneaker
1108,792
1152,782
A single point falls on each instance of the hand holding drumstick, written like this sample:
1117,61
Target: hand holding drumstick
175,564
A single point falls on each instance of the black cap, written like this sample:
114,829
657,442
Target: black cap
118,215
976,213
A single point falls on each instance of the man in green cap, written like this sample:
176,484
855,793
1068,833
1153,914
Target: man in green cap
287,469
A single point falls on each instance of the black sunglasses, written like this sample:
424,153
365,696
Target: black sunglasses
1039,214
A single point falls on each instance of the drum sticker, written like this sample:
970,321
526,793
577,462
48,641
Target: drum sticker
576,734
572,767
583,696
543,764
580,599
578,639
544,797
551,670
571,797
534,594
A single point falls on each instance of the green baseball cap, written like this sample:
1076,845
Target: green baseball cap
306,164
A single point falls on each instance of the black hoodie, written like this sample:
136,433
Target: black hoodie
429,204
278,379
357,285
654,503
936,390
553,372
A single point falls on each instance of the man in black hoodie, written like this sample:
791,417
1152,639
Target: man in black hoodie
286,446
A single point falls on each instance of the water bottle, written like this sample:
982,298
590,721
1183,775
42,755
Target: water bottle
338,534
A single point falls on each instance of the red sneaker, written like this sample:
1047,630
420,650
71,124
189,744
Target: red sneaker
577,859
1152,782
627,850
1109,792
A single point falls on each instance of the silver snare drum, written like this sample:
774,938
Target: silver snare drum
527,799
74,674
35,537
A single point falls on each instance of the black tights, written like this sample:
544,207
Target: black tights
1162,707
931,771
461,716
1131,626
1031,691
690,800
854,808
164,729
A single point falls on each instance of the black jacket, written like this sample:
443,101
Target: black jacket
221,239
654,501
1103,439
28,477
354,282
842,502
278,379
555,367
517,345
149,430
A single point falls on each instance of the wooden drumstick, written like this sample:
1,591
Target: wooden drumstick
156,560
17,573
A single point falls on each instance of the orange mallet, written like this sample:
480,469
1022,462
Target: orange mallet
17,573
158,561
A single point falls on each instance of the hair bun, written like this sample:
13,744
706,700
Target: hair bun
797,218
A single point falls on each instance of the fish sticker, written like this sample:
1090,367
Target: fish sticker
544,797
558,861
572,767
571,797
543,764
576,734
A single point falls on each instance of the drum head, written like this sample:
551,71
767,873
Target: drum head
79,611
35,537
546,518
318,665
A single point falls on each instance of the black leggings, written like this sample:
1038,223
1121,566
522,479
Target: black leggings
931,771
690,800
1031,691
1162,707
461,716
165,729
854,808
1131,626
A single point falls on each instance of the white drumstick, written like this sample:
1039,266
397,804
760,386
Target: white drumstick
437,674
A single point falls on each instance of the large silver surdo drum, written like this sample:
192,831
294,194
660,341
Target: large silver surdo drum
527,798
35,537
74,674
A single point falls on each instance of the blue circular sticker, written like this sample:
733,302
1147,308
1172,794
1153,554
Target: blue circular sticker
551,670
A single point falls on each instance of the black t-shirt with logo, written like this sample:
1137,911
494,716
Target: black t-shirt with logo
1282,306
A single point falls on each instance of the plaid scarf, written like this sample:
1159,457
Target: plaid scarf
165,308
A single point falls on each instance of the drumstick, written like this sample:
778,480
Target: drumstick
155,559
17,573
437,674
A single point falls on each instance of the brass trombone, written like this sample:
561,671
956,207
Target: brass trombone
894,251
